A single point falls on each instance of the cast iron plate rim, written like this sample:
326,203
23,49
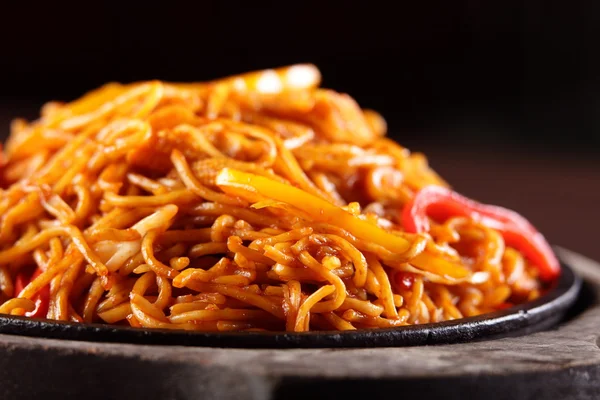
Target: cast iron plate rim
529,317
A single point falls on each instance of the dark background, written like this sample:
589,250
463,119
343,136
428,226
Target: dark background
502,97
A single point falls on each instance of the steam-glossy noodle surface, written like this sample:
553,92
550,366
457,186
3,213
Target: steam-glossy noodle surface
256,202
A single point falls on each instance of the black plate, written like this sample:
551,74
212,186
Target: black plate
537,315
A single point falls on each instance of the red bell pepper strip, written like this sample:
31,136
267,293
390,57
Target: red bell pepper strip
440,203
504,306
41,299
403,279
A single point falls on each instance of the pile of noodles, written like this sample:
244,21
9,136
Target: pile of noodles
255,202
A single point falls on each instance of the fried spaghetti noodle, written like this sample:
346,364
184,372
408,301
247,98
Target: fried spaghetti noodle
255,202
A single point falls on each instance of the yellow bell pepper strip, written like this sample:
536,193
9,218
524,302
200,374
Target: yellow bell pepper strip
257,188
